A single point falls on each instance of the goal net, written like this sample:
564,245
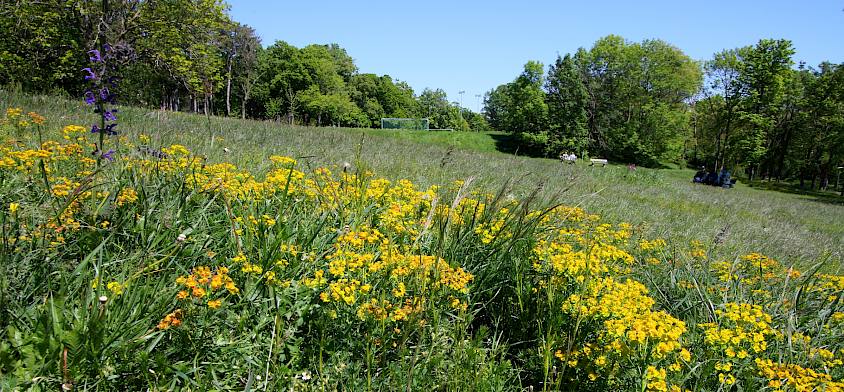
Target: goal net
405,123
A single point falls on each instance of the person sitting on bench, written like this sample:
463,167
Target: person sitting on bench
711,178
699,176
568,158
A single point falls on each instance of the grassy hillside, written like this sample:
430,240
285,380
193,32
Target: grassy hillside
663,202
220,262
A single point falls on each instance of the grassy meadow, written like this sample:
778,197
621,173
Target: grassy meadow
799,229
222,254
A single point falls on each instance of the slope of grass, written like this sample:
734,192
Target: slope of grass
662,202
180,271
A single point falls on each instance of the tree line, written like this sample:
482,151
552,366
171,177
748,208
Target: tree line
649,103
748,108
189,55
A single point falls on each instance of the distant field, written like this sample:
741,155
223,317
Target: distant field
798,229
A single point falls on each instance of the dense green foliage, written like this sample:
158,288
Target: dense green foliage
621,100
648,103
189,55
777,122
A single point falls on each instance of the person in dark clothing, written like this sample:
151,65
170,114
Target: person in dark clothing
724,179
711,178
699,176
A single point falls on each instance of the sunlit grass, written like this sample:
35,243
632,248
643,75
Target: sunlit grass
227,254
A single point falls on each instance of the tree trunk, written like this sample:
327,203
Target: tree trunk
229,90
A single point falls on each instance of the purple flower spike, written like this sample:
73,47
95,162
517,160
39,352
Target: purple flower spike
91,75
95,129
109,116
104,93
109,155
109,129
95,56
90,98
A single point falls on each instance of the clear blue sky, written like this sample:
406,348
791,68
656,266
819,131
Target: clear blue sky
476,45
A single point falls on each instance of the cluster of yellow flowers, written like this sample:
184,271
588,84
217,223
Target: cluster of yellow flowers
582,259
753,269
173,319
628,329
494,230
782,377
203,284
741,328
829,286
653,245
697,250
372,278
743,331
15,117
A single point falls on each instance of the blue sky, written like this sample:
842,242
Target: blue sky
474,46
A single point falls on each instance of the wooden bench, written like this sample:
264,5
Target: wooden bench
602,162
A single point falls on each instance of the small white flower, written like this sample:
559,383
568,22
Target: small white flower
306,376
103,299
226,150
181,238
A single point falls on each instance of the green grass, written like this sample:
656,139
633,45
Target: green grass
348,282
793,228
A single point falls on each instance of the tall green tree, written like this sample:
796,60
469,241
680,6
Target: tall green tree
183,38
519,107
567,111
441,114
766,68
621,100
240,48
722,96
638,95
38,47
